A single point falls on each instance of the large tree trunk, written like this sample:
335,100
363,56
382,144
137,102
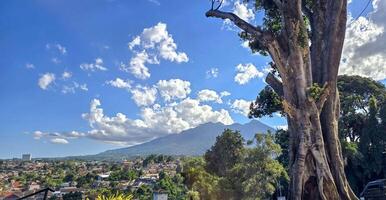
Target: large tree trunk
316,163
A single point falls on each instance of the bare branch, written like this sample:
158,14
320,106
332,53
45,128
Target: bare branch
219,5
275,84
250,29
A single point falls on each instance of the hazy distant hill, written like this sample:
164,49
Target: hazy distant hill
194,141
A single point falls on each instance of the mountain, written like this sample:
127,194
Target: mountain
190,142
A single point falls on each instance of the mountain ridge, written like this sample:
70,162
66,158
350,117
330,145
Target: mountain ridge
191,142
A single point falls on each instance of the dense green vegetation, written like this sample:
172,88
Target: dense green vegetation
232,169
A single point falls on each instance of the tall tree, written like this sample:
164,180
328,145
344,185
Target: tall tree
304,38
225,153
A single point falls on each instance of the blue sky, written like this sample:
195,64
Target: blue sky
61,59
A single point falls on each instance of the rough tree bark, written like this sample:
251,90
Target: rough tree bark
303,60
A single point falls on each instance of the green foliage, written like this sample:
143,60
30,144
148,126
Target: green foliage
198,180
153,158
252,172
123,174
72,196
256,176
86,181
174,186
225,153
144,192
360,129
315,91
267,103
116,196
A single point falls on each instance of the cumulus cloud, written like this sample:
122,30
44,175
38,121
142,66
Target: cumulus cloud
45,80
241,9
211,95
364,52
97,65
241,106
246,72
212,73
144,96
59,141
149,47
173,89
154,121
137,65
120,83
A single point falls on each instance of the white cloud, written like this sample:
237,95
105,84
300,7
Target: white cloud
137,65
61,48
284,127
59,141
144,96
38,135
58,47
29,66
120,83
73,87
57,138
246,72
241,9
364,52
45,80
173,89
154,122
151,45
224,93
210,95
212,73
241,106
66,75
98,65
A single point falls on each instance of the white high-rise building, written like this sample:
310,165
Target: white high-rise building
26,157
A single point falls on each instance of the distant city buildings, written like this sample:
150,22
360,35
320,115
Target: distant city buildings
26,157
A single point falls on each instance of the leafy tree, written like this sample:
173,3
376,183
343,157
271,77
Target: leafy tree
117,196
173,186
256,176
225,153
72,196
144,192
304,38
198,180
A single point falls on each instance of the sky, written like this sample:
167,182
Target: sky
82,77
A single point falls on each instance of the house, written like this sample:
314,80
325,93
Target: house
102,177
160,195
33,186
11,196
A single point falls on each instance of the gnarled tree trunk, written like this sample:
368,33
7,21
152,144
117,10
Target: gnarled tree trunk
303,60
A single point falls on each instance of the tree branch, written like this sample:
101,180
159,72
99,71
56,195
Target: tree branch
275,84
247,27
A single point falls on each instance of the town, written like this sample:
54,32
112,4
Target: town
79,179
